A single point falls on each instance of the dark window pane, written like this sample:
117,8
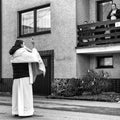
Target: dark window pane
27,22
104,62
43,19
101,62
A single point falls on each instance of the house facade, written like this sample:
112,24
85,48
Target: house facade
105,54
53,24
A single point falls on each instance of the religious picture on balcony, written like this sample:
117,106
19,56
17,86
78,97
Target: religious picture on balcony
43,19
27,23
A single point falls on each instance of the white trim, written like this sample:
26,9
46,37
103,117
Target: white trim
102,49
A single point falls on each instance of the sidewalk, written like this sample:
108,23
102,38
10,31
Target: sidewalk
44,100
73,109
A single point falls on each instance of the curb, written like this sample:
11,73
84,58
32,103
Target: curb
77,98
6,94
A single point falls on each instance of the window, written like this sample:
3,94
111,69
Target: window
43,19
35,21
105,62
27,23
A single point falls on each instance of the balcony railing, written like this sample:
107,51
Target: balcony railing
106,32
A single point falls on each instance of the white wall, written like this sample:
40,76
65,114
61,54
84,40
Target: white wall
83,64
82,11
93,10
62,38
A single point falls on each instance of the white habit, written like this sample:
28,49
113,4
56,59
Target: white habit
22,94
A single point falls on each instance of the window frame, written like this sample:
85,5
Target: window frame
34,9
98,58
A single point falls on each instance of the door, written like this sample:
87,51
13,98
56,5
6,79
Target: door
42,85
103,8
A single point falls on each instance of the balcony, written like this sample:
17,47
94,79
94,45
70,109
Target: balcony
103,35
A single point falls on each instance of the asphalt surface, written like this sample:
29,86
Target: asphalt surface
60,109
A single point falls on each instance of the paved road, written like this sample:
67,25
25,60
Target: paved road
53,109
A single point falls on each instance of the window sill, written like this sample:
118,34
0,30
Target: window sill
104,67
34,34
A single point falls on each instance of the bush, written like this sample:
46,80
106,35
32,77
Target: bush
92,82
96,82
67,87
